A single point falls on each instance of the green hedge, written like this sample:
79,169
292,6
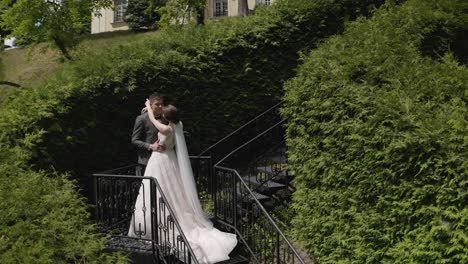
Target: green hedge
44,220
377,132
80,120
219,75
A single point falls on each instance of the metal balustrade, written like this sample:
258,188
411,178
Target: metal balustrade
116,192
230,175
243,134
238,206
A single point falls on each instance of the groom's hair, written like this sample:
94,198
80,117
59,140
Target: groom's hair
156,96
170,113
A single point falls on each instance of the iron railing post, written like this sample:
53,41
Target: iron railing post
210,177
95,197
277,248
215,195
154,217
234,198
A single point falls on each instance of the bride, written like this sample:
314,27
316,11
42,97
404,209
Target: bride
173,171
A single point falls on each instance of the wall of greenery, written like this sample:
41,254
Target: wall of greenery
377,132
80,120
219,75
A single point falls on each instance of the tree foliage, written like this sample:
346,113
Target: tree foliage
58,21
377,133
45,220
180,12
142,14
4,32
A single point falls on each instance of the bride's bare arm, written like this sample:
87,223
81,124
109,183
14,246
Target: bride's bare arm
160,126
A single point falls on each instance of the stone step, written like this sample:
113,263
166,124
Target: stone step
236,259
267,186
285,173
138,250
275,159
260,197
130,244
141,251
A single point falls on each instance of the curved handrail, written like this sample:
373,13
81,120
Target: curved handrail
265,181
155,181
250,141
239,129
248,191
270,219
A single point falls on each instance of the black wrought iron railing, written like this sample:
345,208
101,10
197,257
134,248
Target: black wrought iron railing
237,206
116,192
257,149
249,130
269,166
225,146
202,167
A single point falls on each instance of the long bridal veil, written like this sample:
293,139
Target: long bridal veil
186,173
209,244
175,177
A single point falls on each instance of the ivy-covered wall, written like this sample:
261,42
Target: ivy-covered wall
378,136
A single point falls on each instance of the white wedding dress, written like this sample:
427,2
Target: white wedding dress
175,177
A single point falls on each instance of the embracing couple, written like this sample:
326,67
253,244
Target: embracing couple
162,152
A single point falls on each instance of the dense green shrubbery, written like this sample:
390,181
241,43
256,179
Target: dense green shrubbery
142,14
219,75
378,136
44,220
80,120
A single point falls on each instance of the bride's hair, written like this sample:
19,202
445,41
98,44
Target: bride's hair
170,113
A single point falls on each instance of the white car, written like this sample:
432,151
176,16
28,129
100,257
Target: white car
10,43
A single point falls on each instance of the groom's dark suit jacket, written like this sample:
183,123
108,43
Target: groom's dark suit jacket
144,134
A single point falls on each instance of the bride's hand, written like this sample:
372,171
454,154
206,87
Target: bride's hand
148,105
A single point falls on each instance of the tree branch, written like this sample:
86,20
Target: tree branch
10,84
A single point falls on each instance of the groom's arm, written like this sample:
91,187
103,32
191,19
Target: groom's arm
139,134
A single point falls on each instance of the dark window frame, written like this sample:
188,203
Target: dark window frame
220,8
120,10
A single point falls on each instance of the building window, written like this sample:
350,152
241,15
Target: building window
221,8
264,2
120,10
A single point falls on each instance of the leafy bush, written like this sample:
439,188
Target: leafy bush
377,131
180,12
142,14
44,220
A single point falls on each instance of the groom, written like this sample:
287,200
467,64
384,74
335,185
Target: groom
145,134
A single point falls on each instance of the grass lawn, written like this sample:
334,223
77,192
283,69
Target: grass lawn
30,66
